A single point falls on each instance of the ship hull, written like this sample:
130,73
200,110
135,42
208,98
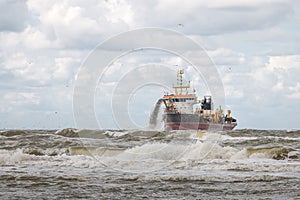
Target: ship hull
192,122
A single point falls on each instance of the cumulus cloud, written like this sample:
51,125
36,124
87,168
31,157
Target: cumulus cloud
33,71
284,62
81,24
252,43
277,77
279,74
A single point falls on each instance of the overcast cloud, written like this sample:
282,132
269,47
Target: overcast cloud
254,44
14,15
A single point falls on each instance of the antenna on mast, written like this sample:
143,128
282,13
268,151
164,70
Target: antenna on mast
179,83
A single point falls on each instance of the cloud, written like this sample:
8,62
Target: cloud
81,24
20,66
267,81
294,91
280,75
21,98
208,18
14,15
269,88
286,62
35,72
223,56
253,44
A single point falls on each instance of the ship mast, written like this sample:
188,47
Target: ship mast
179,85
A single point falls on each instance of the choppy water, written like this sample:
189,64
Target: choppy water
71,164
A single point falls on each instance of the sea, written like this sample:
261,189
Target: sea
147,164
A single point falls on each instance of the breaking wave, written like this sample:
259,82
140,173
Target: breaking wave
140,149
111,161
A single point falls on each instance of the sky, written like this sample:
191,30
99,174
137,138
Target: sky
253,44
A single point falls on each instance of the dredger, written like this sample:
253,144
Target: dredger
184,111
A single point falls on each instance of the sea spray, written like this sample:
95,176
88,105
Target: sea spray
136,164
154,114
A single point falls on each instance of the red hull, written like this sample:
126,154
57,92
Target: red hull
197,126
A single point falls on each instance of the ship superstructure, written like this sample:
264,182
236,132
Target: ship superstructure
183,110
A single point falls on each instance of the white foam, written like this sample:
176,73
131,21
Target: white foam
8,157
159,151
208,150
202,153
294,154
173,151
283,138
66,130
242,154
116,133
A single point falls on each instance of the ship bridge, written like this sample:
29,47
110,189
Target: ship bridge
180,98
181,101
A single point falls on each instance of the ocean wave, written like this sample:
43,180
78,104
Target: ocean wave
260,133
67,132
96,151
8,157
46,152
209,178
193,151
140,149
274,152
10,133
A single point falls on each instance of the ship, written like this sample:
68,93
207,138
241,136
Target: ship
184,111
